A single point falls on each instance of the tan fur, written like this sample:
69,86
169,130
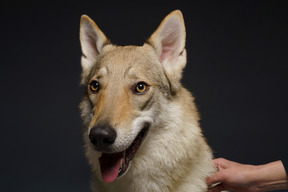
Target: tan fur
174,156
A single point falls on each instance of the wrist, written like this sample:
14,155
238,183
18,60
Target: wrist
269,177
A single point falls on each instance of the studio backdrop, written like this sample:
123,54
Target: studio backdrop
237,71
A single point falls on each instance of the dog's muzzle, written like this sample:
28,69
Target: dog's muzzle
102,137
114,164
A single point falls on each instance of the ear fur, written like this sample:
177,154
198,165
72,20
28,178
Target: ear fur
92,41
169,42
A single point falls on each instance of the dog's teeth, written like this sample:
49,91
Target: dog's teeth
122,162
120,168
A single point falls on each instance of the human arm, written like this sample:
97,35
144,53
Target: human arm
248,178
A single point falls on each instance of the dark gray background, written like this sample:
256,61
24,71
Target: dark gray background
237,70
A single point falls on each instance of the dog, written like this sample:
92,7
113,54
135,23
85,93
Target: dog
141,126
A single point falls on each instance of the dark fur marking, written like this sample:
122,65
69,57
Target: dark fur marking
147,103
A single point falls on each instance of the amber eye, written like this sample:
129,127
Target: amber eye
141,88
94,86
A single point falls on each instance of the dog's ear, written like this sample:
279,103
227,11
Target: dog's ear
169,42
92,41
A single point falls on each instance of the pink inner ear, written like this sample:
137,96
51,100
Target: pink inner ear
171,41
170,49
90,39
165,53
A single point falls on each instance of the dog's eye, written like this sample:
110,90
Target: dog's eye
94,86
141,88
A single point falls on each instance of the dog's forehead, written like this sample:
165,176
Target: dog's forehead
121,59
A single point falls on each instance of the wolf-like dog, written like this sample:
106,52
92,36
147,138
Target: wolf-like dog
141,126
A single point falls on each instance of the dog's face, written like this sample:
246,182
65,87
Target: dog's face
125,89
122,93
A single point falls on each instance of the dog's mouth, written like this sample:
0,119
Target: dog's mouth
114,165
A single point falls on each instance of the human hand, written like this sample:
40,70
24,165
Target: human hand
248,178
232,176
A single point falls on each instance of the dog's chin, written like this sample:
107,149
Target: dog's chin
115,165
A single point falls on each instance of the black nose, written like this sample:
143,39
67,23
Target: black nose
102,136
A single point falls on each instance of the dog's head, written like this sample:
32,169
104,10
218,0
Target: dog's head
126,87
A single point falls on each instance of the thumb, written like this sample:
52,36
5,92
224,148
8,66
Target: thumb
222,163
215,178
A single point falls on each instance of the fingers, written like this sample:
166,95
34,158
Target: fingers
218,188
221,175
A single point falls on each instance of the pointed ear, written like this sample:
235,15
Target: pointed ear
169,42
92,41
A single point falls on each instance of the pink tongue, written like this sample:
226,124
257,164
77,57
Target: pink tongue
110,164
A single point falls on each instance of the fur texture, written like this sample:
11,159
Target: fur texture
174,155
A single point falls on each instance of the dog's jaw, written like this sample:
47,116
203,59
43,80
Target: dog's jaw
115,165
131,151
